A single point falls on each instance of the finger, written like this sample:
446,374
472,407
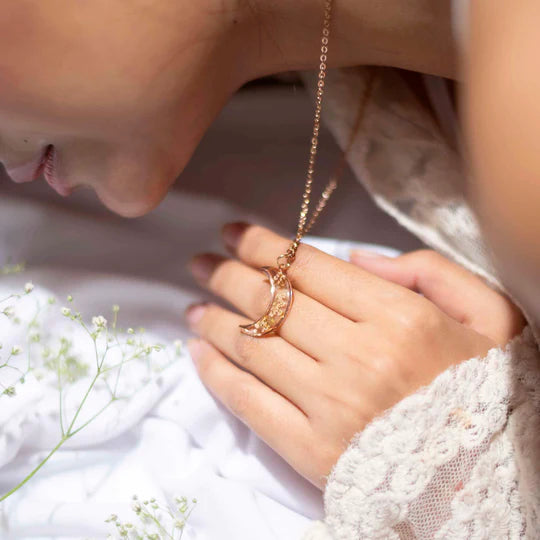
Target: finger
272,417
311,327
454,290
337,284
274,361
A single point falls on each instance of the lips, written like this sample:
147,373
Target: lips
44,164
48,168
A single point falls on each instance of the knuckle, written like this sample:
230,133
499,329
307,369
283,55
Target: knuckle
387,365
419,315
389,371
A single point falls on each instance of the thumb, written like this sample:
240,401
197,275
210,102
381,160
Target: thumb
454,290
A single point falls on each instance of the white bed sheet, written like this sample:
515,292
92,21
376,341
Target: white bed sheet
178,440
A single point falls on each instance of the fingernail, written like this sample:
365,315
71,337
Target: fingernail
194,314
232,233
362,254
203,266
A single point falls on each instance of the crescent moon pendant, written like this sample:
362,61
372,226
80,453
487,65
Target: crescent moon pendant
280,304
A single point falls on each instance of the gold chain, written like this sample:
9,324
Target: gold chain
285,260
281,288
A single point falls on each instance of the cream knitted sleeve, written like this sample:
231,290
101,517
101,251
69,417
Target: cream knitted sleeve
459,459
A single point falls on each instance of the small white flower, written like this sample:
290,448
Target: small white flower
9,311
29,287
99,322
130,331
66,311
116,308
16,350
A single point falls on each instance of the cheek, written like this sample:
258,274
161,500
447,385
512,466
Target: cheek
79,67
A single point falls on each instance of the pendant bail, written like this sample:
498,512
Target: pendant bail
285,260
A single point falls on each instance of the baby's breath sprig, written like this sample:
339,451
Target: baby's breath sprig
9,311
155,521
58,356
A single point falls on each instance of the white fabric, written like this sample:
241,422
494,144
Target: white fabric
173,439
459,459
489,442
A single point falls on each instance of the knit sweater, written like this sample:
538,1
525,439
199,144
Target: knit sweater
460,458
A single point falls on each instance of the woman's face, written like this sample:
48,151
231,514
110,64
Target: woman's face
111,94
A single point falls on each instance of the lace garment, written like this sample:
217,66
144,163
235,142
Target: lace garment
459,459
452,461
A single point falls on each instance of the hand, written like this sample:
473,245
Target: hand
355,342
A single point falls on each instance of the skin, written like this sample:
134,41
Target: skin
341,357
125,110
501,115
112,100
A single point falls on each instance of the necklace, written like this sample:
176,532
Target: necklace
281,290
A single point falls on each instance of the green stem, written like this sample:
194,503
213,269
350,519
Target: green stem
6,365
160,527
60,399
94,340
83,402
31,475
91,419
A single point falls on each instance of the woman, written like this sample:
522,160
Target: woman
88,100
